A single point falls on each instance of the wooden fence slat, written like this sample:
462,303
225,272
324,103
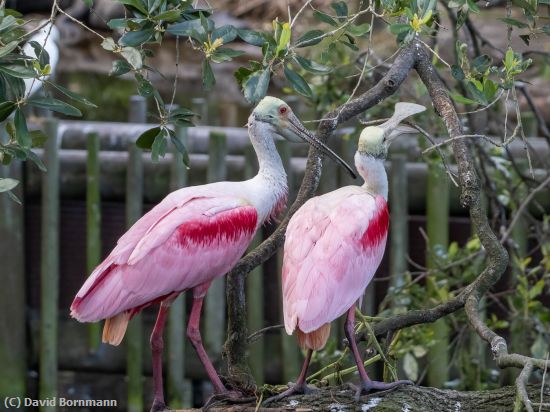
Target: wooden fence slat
12,293
134,209
214,316
93,224
175,368
49,268
292,358
255,289
437,228
399,228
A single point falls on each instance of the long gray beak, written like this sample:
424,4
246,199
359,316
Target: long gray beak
300,130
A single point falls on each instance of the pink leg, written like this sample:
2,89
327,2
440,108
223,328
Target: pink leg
194,335
157,344
366,384
299,387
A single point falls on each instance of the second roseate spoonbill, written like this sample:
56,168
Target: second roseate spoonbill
193,236
334,244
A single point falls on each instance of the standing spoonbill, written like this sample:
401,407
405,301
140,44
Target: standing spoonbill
193,236
334,244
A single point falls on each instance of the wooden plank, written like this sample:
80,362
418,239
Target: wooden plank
49,267
178,396
399,229
134,210
437,222
93,225
255,289
214,311
292,358
12,293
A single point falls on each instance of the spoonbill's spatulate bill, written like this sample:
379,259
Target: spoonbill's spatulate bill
334,244
193,236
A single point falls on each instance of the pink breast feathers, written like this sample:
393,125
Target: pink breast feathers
378,225
225,227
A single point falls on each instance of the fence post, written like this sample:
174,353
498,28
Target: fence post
12,293
399,229
214,323
291,352
49,267
255,288
178,396
134,209
437,227
93,224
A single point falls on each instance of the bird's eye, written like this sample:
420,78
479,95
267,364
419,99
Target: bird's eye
283,109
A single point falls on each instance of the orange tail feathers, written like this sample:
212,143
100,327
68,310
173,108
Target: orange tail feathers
315,340
115,328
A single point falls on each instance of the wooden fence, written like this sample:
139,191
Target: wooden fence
99,162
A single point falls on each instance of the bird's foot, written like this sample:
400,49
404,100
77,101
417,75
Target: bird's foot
226,396
367,386
293,389
159,406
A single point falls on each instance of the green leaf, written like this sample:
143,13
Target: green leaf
132,56
410,366
136,38
461,99
514,22
341,9
325,18
297,82
118,23
208,79
481,63
54,105
312,66
399,28
21,132
489,88
36,160
146,139
310,38
137,4
108,44
169,16
251,37
284,39
145,88
476,93
120,67
180,147
225,54
158,148
359,30
38,138
524,4
227,33
40,53
72,95
6,108
19,71
89,3
457,72
8,48
7,184
255,87
185,28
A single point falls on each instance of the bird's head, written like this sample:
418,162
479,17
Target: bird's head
281,121
373,142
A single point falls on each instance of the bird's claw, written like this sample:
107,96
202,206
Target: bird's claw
367,386
293,389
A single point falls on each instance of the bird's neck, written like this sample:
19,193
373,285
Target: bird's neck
269,186
373,172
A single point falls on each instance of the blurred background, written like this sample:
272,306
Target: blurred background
71,219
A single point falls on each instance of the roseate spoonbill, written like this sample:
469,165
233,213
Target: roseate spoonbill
334,244
193,236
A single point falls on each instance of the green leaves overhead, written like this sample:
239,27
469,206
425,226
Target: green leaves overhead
255,87
297,82
310,38
54,105
7,184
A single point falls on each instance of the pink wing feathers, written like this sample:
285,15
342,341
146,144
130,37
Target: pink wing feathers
334,244
177,236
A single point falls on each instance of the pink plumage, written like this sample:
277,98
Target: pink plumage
176,242
333,247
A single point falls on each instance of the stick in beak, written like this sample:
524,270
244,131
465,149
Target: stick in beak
300,130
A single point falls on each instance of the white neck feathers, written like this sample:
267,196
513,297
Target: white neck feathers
373,172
